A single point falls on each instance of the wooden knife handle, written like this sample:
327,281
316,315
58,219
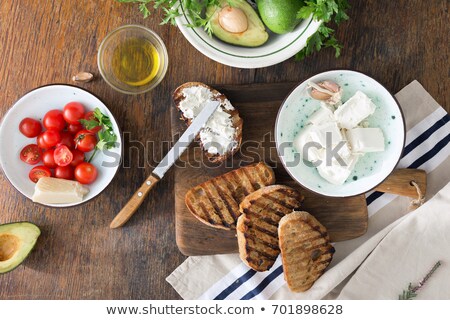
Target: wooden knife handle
400,182
134,203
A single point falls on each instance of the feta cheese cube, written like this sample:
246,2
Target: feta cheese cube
365,140
319,133
311,153
355,110
324,114
335,173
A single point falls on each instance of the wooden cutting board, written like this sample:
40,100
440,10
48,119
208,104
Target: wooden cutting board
258,104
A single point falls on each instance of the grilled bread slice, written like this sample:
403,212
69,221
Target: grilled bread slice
305,249
257,227
216,202
234,120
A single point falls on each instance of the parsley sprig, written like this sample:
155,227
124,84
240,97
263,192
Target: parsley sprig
195,9
106,136
328,11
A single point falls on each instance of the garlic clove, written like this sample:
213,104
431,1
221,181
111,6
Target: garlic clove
325,91
83,77
330,85
319,95
233,19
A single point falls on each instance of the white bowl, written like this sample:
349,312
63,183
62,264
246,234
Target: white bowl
277,49
372,168
35,104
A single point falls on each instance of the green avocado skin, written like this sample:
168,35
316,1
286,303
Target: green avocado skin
27,234
256,34
280,16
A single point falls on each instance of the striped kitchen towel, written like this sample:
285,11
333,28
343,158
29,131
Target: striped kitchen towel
427,147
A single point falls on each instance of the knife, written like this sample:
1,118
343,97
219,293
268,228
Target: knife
158,173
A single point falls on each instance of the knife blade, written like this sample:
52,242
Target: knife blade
166,163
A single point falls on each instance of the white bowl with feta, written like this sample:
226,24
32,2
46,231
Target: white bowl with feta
340,133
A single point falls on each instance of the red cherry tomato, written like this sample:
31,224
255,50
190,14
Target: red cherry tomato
51,138
85,173
64,172
54,120
30,127
31,154
63,156
78,157
90,116
41,143
85,141
73,112
39,172
67,139
49,159
74,128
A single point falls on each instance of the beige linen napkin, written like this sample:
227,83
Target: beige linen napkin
197,277
406,254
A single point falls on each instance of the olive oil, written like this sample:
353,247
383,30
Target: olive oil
135,62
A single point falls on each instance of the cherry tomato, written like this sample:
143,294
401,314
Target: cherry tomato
74,128
85,173
30,127
85,141
49,159
54,120
63,156
73,112
78,157
90,116
64,172
39,172
51,138
67,139
41,143
31,154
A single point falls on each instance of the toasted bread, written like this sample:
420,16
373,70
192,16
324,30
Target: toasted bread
216,202
236,120
257,227
305,249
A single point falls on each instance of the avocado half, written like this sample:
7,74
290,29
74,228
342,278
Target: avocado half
16,242
254,36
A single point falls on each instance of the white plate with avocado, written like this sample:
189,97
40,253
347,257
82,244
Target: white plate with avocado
251,43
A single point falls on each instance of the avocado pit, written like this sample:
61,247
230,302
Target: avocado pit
9,244
233,19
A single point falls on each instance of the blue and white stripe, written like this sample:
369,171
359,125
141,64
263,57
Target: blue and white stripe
427,146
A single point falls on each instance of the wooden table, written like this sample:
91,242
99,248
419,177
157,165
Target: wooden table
43,42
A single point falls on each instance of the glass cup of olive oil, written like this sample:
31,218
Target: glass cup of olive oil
132,59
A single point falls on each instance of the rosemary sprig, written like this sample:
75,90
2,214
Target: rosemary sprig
411,292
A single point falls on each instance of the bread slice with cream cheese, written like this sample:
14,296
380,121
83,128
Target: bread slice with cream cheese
222,135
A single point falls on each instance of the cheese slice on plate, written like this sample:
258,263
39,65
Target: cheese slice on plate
335,173
324,114
53,190
365,140
355,110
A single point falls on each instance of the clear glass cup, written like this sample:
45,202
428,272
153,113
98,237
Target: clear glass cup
111,60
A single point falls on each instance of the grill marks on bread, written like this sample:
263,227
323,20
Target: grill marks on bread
305,250
216,202
257,227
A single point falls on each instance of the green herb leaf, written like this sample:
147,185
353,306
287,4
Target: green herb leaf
327,11
106,137
89,124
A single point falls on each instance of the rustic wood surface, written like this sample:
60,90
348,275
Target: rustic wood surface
258,105
42,42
